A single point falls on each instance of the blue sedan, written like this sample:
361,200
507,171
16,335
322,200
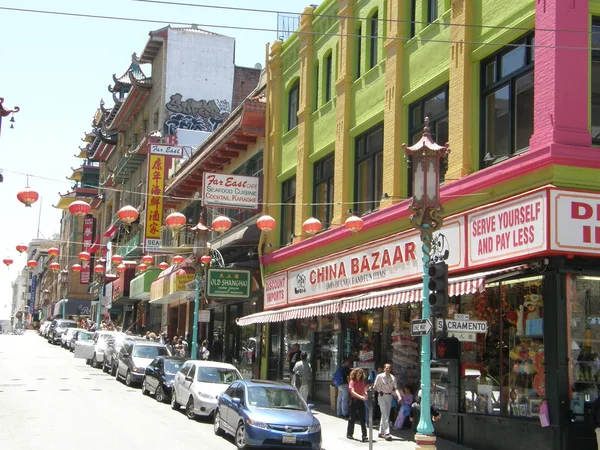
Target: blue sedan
266,414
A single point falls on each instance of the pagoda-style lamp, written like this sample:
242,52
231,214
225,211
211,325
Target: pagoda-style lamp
425,157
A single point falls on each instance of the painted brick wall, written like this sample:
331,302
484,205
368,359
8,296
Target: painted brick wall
245,80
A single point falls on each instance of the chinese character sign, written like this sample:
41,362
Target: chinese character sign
88,239
154,202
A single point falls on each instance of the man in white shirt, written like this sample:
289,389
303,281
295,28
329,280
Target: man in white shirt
303,368
385,385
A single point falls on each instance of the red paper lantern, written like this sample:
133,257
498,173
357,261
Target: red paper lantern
76,267
99,268
7,261
121,268
84,256
205,259
128,214
221,224
53,251
142,267
148,259
54,266
116,259
312,226
28,196
175,221
177,259
32,264
79,208
21,248
354,224
163,265
266,224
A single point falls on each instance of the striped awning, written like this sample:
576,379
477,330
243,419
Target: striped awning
468,284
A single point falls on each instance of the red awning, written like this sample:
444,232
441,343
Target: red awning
111,231
95,246
468,284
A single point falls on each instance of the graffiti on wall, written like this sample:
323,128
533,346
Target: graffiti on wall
198,115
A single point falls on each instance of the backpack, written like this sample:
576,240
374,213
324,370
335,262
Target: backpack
338,377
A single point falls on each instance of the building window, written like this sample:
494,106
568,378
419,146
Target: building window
358,50
323,192
432,10
288,210
507,101
434,106
368,170
316,99
293,105
374,40
413,17
595,90
328,68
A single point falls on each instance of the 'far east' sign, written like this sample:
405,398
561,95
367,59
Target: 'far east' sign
227,283
230,191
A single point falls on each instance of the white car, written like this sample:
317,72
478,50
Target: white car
81,342
65,338
44,328
95,354
198,384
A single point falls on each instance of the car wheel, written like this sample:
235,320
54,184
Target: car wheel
159,395
105,368
128,379
174,405
217,425
144,390
189,409
240,437
94,362
117,375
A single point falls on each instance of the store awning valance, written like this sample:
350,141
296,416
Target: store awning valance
468,284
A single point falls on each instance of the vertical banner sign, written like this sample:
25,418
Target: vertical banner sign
107,298
88,239
154,202
33,289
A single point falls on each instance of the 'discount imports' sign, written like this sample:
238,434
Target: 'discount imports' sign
227,283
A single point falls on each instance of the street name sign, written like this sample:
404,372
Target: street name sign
473,326
420,327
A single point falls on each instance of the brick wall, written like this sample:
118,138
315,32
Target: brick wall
245,80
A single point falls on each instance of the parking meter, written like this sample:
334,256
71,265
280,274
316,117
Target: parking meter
370,396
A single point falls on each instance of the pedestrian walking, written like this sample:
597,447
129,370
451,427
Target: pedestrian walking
342,385
293,356
204,352
303,370
358,397
385,385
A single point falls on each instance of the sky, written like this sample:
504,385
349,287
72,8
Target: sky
57,68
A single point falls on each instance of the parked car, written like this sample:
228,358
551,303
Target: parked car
266,414
44,328
159,376
65,338
198,384
95,354
135,356
111,355
58,327
80,343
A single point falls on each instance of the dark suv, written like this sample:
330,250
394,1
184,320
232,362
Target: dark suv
58,327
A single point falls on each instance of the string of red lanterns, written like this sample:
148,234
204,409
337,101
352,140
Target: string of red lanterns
163,265
84,256
354,224
99,268
128,214
205,259
7,261
312,226
177,259
53,251
116,259
175,221
55,267
142,267
221,224
32,264
266,223
148,259
21,248
79,208
76,267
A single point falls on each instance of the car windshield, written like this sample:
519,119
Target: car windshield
172,366
275,397
107,338
66,325
84,336
149,351
217,375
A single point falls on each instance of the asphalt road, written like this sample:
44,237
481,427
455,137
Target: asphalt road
50,400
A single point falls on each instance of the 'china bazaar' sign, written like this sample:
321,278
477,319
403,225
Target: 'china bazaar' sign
378,264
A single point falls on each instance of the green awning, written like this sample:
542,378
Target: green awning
139,288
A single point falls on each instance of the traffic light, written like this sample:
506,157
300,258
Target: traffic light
445,348
438,284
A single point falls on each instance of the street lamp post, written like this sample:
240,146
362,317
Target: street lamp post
426,206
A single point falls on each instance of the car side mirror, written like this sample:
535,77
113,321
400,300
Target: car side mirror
125,355
188,378
311,406
236,401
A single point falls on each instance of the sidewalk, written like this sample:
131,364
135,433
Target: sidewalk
334,435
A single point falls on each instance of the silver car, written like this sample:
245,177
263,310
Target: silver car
95,354
81,342
133,358
198,385
65,338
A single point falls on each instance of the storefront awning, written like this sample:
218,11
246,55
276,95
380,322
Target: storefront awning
468,284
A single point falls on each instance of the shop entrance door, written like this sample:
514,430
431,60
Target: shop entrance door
275,355
583,435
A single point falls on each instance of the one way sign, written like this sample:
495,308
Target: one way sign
420,327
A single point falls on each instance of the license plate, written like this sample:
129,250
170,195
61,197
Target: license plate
289,439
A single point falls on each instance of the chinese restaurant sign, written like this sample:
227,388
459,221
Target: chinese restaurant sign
225,283
508,230
230,191
88,239
154,202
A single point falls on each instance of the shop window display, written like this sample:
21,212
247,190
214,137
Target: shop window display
361,337
297,332
405,349
502,365
583,295
326,347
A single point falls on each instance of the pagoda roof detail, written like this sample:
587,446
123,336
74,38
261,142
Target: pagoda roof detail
133,74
